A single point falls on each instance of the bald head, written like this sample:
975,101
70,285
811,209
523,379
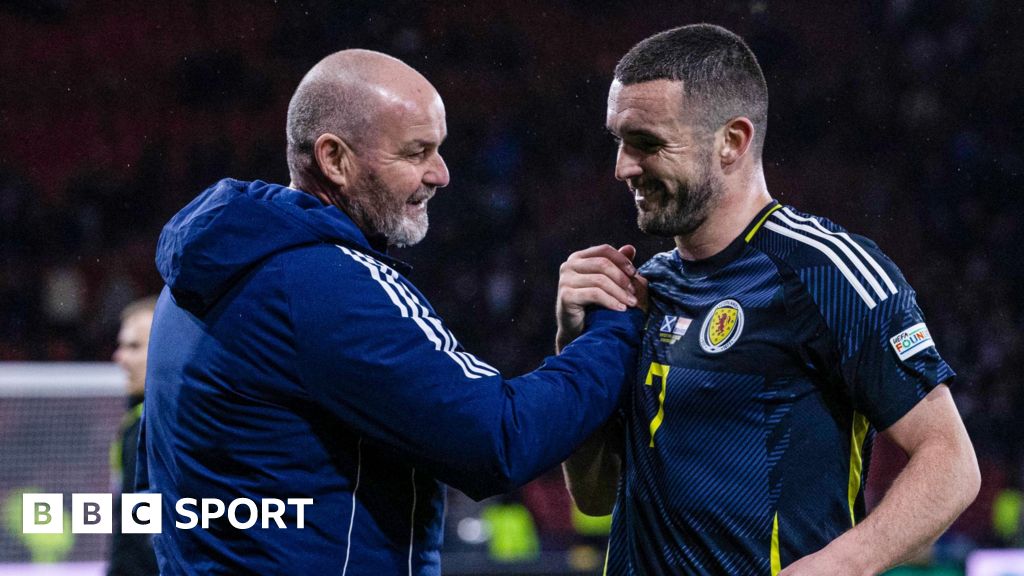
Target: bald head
346,94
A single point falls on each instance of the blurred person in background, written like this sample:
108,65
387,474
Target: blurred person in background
131,554
776,344
293,359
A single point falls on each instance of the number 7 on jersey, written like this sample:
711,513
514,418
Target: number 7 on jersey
658,373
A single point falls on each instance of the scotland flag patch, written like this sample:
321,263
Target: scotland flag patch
673,328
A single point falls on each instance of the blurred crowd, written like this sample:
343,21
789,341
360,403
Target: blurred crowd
899,119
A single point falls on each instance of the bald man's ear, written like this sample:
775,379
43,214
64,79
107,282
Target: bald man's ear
335,158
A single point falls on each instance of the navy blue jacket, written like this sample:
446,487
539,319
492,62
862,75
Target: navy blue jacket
289,359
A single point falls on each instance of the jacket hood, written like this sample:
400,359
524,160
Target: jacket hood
233,225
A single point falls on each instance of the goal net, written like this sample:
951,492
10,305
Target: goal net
57,423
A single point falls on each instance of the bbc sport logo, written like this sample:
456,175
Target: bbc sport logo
143,513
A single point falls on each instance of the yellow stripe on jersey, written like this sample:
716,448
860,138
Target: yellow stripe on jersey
760,222
860,431
775,556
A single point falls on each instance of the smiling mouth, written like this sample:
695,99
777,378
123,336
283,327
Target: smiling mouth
419,200
642,197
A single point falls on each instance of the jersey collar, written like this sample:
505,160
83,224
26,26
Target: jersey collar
700,268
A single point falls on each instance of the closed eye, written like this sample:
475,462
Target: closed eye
641,142
642,145
647,146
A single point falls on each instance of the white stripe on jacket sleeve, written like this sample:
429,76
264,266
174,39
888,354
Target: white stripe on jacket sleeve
410,306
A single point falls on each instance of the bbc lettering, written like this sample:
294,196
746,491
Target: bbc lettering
142,513
91,513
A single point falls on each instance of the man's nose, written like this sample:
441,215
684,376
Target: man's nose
437,175
626,165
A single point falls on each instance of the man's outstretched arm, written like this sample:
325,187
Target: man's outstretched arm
376,359
597,276
939,482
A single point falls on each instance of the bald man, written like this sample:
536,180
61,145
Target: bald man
303,386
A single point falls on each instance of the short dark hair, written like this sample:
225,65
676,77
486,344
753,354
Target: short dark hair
719,72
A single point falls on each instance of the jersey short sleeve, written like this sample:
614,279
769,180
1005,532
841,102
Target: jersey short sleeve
888,358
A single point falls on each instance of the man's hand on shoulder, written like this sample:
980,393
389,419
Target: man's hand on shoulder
599,275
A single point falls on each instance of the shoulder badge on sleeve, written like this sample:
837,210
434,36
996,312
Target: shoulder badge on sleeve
911,341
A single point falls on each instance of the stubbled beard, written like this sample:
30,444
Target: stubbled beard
683,212
376,209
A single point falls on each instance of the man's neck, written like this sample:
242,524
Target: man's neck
329,197
727,220
314,188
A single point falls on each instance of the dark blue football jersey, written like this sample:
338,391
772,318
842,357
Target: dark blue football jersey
764,372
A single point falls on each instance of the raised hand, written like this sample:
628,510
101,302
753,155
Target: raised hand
599,275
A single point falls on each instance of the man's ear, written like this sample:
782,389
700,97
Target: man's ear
737,136
335,158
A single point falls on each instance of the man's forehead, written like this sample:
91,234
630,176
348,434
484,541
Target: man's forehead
408,93
643,103
653,95
141,316
419,116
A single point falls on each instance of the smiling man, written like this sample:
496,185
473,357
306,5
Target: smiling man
777,344
291,358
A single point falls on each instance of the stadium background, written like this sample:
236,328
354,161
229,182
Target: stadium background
899,119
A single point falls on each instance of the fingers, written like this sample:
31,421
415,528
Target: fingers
578,298
578,286
601,260
596,272
599,275
640,290
629,251
604,251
